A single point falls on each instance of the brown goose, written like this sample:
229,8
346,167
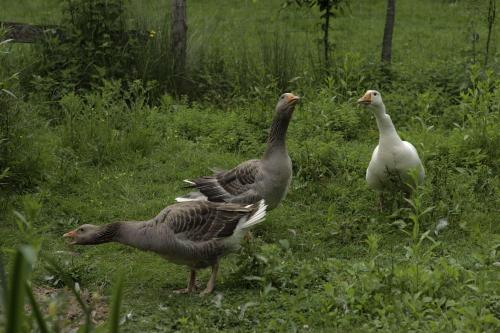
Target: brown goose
195,234
253,180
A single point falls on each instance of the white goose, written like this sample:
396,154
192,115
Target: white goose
393,159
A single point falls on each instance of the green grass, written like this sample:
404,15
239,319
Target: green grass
433,37
326,259
325,222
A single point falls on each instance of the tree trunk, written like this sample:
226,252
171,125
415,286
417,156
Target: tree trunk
388,29
491,22
178,39
326,42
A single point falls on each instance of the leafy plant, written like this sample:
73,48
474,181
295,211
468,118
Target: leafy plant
24,145
328,9
96,46
479,104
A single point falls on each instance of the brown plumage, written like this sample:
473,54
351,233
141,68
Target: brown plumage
196,233
253,180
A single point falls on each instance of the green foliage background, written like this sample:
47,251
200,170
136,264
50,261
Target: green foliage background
95,139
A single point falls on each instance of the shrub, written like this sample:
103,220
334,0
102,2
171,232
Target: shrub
25,145
480,105
26,148
95,46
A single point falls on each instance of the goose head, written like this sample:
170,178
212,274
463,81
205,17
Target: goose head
371,98
286,103
88,234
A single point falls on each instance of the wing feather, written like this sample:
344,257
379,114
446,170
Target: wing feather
203,220
225,185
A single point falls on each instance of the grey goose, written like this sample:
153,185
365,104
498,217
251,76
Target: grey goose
196,234
253,180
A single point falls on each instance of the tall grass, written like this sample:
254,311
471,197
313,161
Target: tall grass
219,67
225,61
114,318
15,301
17,319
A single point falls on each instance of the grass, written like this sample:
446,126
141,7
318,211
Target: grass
320,230
425,37
324,260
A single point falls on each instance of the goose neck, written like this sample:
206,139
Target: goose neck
105,234
276,140
138,234
387,131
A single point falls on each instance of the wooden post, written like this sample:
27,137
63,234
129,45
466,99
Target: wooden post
388,29
491,22
29,33
178,39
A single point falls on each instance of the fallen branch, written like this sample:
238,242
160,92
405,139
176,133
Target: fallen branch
29,33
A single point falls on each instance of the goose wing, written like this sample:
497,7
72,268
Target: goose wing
235,185
200,221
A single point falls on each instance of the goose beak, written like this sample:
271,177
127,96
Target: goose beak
71,234
292,99
366,99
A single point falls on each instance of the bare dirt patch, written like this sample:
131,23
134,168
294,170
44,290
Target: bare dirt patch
62,309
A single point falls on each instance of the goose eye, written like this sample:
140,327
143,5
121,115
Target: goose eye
81,229
374,94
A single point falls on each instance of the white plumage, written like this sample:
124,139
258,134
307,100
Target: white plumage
255,218
245,223
393,159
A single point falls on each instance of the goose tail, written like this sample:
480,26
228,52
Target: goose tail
258,216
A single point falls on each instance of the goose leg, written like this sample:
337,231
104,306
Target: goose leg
191,284
381,201
248,236
211,283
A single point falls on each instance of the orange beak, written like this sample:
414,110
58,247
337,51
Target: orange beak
366,99
70,234
292,98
